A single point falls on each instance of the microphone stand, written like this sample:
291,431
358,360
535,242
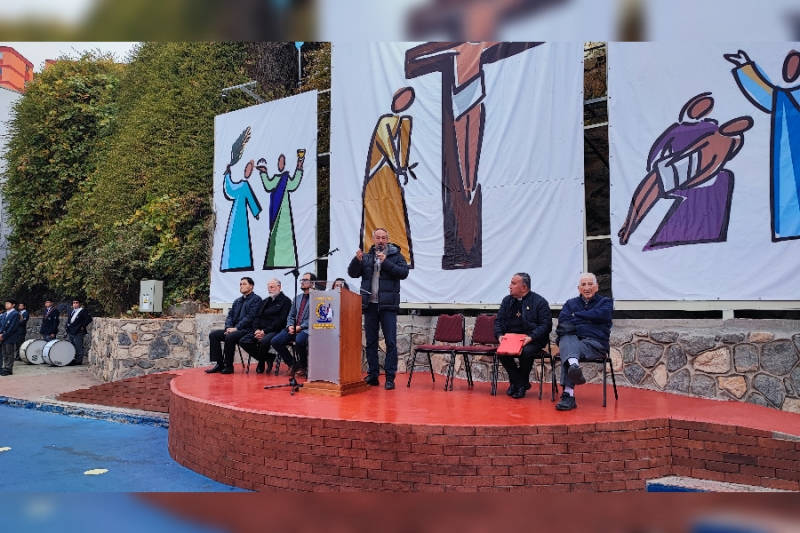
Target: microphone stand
296,270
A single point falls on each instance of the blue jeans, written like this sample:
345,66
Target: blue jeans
387,320
283,338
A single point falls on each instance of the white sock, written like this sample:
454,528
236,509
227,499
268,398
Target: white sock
572,360
570,391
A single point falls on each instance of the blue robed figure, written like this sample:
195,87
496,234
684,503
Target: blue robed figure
237,251
783,104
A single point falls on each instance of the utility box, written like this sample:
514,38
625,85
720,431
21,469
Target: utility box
151,296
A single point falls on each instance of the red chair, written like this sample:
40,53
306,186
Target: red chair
450,332
483,343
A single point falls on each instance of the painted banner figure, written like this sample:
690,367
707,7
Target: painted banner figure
387,161
463,117
237,251
783,105
282,247
686,165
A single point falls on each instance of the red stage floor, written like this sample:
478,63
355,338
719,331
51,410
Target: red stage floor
427,403
423,438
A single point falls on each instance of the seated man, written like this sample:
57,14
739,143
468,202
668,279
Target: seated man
238,324
296,329
584,327
523,311
269,321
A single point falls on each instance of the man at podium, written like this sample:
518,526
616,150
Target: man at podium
380,270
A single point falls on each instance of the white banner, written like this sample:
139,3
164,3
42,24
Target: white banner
705,170
265,194
471,155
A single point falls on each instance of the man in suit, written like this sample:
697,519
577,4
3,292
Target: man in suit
22,329
269,321
49,328
79,319
297,329
8,337
238,324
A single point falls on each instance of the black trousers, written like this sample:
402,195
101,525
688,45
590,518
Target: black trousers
520,374
231,339
260,350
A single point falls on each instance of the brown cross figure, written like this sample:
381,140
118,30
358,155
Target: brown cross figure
463,117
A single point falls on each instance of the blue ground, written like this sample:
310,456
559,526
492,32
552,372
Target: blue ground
51,452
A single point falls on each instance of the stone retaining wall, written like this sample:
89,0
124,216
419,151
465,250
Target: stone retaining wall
126,348
756,361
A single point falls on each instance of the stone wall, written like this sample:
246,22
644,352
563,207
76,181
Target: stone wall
756,361
747,360
126,348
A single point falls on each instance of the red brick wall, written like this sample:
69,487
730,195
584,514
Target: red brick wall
735,455
148,393
264,452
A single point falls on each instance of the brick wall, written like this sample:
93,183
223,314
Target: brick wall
147,393
272,452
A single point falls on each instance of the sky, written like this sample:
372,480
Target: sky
37,52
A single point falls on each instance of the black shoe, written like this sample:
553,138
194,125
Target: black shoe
567,402
269,368
227,370
519,394
389,385
260,367
75,363
372,380
528,386
216,368
5,373
512,389
575,374
17,358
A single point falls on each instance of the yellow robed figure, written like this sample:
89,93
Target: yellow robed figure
387,161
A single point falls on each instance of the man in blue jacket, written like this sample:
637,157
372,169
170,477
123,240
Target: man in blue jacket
584,328
380,270
238,324
22,329
8,337
523,311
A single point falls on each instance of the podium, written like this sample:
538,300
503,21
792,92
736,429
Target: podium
334,343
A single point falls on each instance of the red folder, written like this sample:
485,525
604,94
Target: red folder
511,344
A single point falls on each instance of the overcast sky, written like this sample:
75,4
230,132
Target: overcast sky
36,53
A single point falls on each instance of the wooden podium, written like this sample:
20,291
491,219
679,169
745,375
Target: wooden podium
334,343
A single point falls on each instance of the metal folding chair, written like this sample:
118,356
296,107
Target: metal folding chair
450,331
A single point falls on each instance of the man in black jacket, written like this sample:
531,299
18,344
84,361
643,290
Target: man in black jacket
238,324
49,328
77,322
584,328
523,311
269,321
380,270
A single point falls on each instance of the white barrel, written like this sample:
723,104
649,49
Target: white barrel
31,351
58,353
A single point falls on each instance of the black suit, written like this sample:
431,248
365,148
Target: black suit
76,329
49,328
271,318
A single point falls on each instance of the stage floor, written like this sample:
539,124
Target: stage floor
427,403
423,438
